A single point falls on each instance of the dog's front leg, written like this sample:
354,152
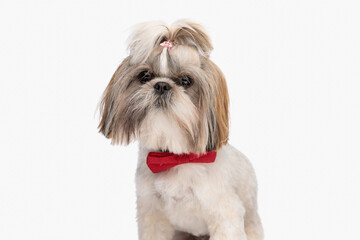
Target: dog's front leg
154,226
224,214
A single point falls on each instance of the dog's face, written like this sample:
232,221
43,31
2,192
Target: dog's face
170,99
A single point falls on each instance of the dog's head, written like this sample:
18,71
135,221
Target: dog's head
167,93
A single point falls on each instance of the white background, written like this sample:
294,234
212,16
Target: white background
293,71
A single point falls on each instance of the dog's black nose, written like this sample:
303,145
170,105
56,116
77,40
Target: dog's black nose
162,87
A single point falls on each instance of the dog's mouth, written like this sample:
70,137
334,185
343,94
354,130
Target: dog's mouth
163,101
163,150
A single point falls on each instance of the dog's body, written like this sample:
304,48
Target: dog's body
216,199
171,97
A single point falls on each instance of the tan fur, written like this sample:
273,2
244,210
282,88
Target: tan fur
192,34
222,108
107,99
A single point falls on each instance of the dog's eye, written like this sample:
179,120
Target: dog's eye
185,81
145,76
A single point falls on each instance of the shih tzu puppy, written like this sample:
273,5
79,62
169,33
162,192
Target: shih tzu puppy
168,95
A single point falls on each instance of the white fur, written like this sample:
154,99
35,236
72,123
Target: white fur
159,132
213,199
142,40
163,62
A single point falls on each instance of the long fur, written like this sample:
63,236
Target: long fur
190,201
122,114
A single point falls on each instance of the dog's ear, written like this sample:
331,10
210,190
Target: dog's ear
108,109
219,121
193,34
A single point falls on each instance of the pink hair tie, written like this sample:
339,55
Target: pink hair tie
167,44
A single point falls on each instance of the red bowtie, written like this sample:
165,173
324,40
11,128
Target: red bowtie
161,161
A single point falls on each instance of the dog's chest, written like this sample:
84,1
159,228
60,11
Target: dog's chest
179,203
